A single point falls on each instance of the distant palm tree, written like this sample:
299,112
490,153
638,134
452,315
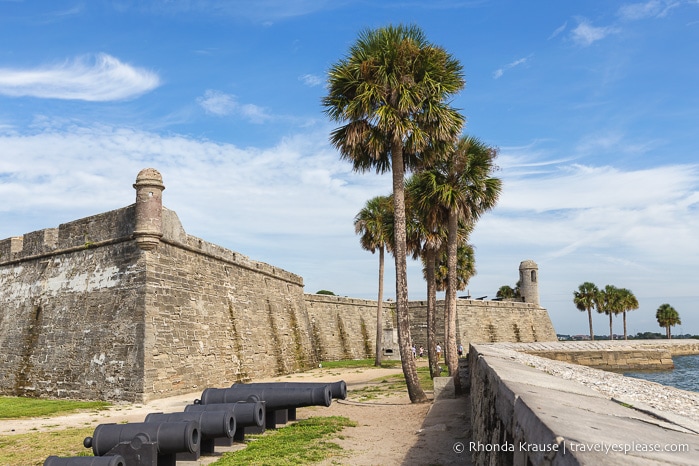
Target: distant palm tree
465,267
505,292
372,222
627,302
607,301
667,317
585,299
391,94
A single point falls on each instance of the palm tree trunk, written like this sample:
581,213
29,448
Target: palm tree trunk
611,335
589,318
430,255
379,310
625,326
415,392
450,354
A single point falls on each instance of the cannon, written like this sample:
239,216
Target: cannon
145,443
338,389
274,396
116,460
280,402
248,415
212,425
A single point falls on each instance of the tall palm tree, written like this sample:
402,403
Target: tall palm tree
426,235
585,299
667,317
372,223
627,302
391,95
461,181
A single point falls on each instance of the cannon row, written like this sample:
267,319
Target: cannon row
220,417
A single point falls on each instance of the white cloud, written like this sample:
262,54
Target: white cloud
558,30
586,34
311,80
500,71
92,78
649,9
222,104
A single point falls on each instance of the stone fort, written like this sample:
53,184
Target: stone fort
125,305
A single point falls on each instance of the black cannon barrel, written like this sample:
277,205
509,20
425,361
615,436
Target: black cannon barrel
246,413
337,389
275,397
115,460
170,437
212,424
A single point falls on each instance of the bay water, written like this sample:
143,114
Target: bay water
685,375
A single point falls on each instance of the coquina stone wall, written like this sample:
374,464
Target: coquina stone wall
72,321
125,305
480,321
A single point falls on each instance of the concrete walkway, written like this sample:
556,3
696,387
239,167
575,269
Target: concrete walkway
445,434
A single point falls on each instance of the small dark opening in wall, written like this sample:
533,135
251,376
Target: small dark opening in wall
388,351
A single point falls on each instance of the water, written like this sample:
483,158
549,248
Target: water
684,376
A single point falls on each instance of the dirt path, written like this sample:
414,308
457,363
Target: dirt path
389,431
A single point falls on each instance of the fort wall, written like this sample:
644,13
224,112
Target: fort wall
72,321
480,321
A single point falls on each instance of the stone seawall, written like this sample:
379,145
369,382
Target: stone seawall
523,416
619,355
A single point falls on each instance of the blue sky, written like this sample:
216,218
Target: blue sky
593,104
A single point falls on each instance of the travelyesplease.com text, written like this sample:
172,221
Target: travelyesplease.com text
564,447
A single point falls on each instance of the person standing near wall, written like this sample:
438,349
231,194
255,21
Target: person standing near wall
439,351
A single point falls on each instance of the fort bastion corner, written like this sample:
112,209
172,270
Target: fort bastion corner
125,305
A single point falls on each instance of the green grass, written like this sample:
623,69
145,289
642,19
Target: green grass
358,363
304,442
33,448
15,407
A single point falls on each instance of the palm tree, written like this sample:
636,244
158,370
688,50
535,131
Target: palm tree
585,299
607,302
627,302
391,93
465,266
461,181
425,236
667,317
372,223
505,292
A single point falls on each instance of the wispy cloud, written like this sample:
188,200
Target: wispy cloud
558,30
649,9
95,78
586,34
497,74
311,80
222,104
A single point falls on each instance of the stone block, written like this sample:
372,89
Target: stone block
443,387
